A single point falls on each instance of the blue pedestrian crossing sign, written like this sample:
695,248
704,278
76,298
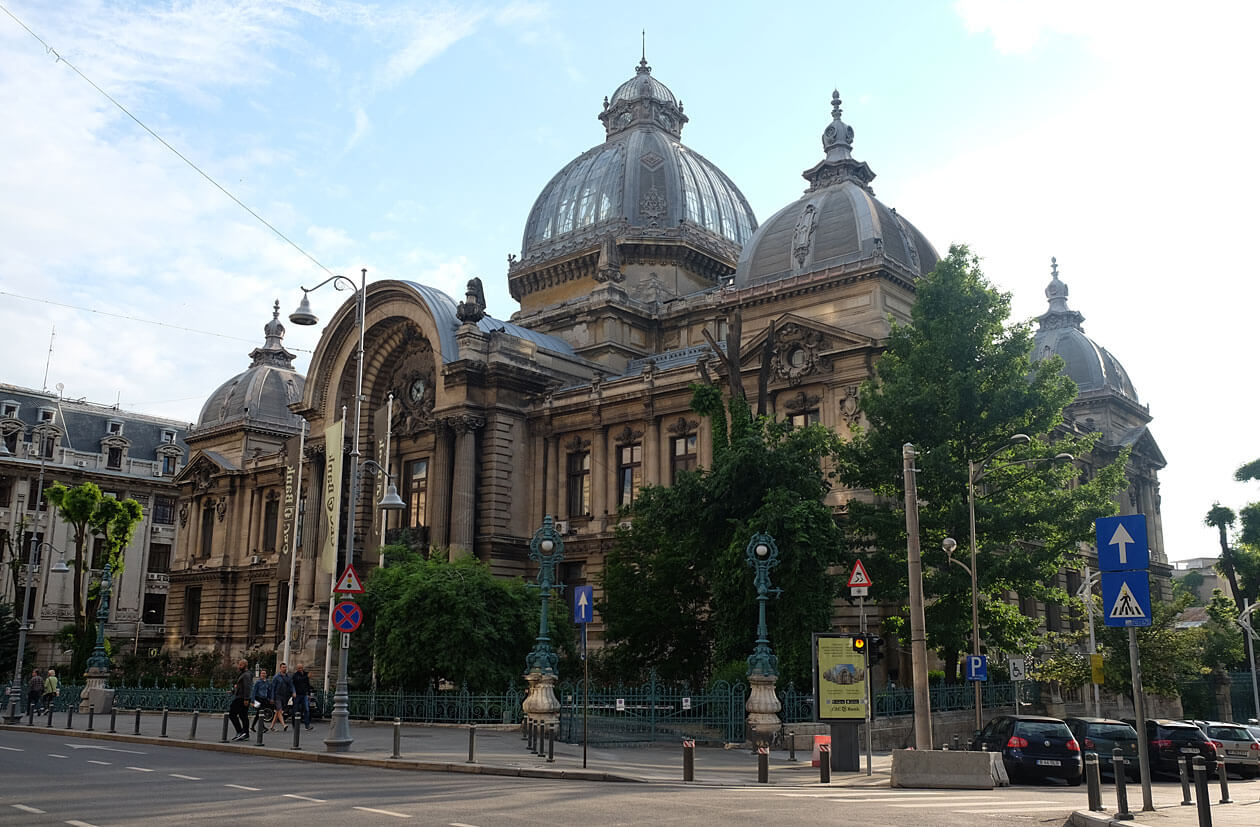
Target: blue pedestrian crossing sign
1122,543
1126,598
583,603
977,667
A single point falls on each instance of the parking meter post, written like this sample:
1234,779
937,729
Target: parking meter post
1220,770
824,763
1184,771
1122,790
1093,782
1201,792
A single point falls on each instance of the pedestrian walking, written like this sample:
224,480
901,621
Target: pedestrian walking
34,690
262,699
238,711
302,697
281,696
52,688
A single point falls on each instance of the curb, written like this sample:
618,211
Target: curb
334,758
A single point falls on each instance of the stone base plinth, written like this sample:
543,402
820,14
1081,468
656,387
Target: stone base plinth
541,702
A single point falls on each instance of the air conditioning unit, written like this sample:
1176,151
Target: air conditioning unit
255,560
82,463
562,526
157,472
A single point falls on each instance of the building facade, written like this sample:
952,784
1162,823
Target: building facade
49,439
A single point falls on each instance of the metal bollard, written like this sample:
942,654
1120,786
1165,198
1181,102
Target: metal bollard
30,715
297,734
50,714
954,742
689,759
1122,790
223,740
70,717
165,714
397,738
261,730
12,714
551,743
1220,769
1093,783
791,738
192,729
529,734
824,763
763,765
1201,792
91,717
1184,771
472,743
137,732
540,748
113,720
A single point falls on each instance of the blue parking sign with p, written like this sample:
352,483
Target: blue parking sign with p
977,668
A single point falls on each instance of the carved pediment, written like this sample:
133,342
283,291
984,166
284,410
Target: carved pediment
802,347
201,470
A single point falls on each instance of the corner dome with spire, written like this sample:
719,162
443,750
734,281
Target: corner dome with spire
640,182
1059,332
837,221
260,395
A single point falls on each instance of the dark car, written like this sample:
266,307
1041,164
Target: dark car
1101,736
1169,740
1033,747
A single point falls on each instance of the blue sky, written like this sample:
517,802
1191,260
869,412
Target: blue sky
411,138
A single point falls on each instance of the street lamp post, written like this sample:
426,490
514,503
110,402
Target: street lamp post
32,571
763,705
1086,595
339,739
547,547
1244,620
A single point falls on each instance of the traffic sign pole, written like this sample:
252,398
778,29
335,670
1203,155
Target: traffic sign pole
1139,708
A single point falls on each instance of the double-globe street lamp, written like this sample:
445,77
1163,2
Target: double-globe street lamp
976,471
32,571
339,739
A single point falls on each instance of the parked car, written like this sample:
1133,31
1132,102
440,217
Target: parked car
1033,747
1169,740
1235,745
1101,736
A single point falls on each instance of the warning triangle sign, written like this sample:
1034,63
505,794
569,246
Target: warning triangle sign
859,576
349,582
1126,604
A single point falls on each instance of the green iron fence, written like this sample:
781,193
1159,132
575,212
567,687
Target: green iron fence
1199,698
651,712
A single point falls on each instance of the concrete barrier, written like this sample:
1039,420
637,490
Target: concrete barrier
948,770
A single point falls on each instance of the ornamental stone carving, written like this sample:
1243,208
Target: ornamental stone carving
849,405
652,206
576,444
412,383
682,426
220,509
183,515
797,353
627,436
801,402
803,235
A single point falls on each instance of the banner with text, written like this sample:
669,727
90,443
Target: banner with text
334,445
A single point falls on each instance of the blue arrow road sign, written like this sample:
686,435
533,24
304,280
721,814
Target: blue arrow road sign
1126,598
1122,543
977,668
583,603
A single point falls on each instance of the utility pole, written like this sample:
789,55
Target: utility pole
918,637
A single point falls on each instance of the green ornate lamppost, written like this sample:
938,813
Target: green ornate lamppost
547,547
763,667
95,694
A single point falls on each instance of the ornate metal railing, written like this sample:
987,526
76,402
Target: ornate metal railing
799,707
651,712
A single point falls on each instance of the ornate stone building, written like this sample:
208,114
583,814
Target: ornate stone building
48,439
639,261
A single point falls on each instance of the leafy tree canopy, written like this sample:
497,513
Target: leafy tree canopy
958,383
678,592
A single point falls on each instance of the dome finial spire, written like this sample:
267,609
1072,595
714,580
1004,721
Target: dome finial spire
643,68
1058,314
835,104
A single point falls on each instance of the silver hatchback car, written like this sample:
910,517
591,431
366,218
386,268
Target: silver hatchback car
1235,745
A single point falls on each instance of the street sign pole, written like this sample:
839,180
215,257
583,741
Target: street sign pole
1139,708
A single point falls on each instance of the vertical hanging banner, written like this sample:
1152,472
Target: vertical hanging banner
288,525
380,445
334,445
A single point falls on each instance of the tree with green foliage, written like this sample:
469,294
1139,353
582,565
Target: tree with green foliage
679,596
430,620
1240,558
88,511
958,382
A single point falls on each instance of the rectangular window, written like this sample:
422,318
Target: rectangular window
10,442
168,465
417,492
154,609
164,510
10,410
629,472
168,437
682,455
35,495
271,524
192,610
258,610
207,530
115,427
579,483
46,445
114,459
160,558
800,420
6,492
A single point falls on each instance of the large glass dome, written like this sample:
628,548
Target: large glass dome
641,177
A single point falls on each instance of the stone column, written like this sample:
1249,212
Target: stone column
652,452
555,478
464,491
763,709
599,477
440,502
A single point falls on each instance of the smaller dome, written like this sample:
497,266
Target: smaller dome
1059,331
837,221
643,87
262,394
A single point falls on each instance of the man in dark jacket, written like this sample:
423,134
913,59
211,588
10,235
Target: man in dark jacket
302,696
281,695
34,690
237,713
